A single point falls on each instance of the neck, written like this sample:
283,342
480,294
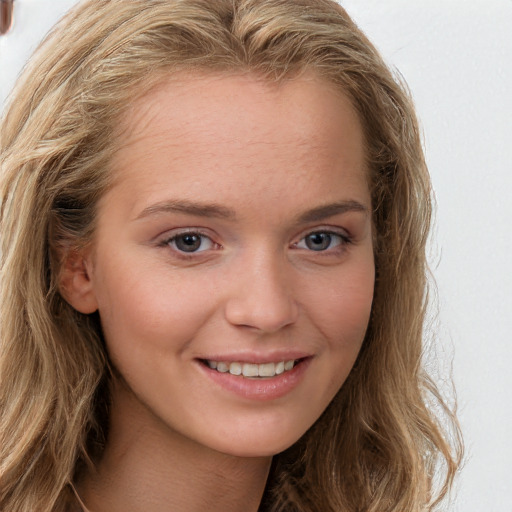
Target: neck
148,466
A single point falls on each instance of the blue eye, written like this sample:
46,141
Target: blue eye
321,241
190,242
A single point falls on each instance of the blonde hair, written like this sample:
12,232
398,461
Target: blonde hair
388,442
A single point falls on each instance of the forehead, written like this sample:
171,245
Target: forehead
235,108
199,129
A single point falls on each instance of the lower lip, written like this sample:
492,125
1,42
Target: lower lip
261,389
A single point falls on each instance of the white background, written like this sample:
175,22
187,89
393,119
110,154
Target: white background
457,58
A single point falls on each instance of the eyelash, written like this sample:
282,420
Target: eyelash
169,242
342,238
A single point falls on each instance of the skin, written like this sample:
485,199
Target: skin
270,157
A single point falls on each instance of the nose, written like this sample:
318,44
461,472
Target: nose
261,296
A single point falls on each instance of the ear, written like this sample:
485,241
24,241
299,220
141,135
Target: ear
75,284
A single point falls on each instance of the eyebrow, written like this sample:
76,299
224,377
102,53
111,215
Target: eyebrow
332,209
222,212
189,208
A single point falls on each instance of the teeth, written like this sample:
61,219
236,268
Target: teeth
222,367
251,369
267,370
235,369
288,365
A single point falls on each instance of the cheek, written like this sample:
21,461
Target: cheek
350,309
344,304
147,307
342,315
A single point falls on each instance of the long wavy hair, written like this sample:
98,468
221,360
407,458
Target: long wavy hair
388,442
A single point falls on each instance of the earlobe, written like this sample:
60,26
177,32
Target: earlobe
76,285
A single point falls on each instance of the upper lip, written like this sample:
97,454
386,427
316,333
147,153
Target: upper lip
257,357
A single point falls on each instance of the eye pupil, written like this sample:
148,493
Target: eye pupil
188,242
318,241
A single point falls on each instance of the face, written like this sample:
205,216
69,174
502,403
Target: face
232,265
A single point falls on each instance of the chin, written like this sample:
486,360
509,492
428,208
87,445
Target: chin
264,441
255,449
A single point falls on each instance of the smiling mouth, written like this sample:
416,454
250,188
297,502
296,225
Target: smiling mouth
251,370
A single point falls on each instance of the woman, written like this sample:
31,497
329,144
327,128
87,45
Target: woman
214,218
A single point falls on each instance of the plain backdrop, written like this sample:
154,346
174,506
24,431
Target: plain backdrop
457,59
